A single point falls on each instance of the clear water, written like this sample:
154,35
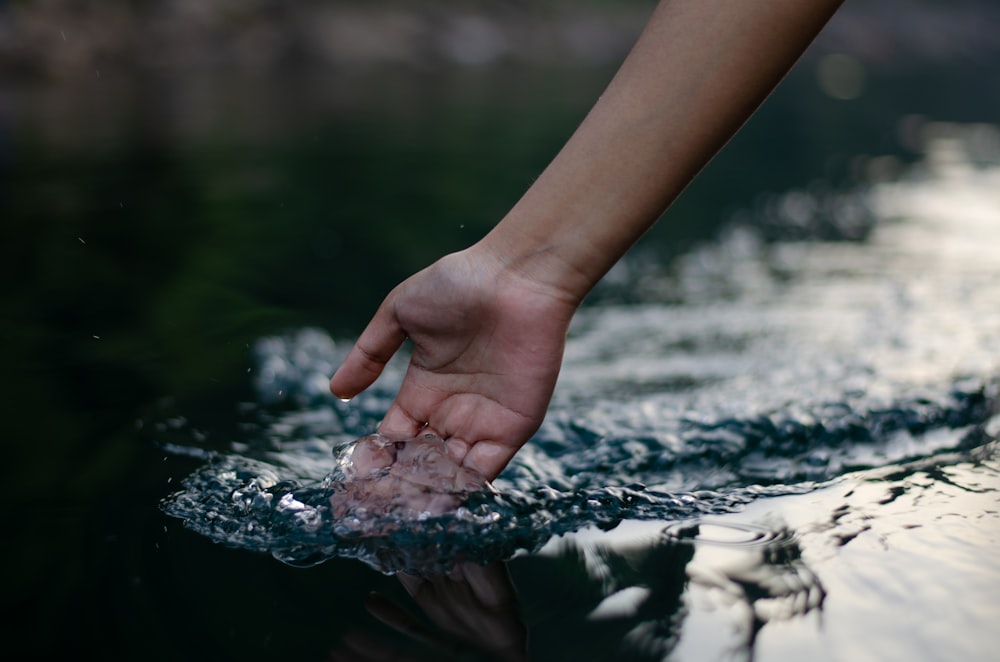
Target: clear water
768,448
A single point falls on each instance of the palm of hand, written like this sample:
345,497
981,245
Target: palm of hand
487,349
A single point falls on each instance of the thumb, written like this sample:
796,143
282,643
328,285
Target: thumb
364,363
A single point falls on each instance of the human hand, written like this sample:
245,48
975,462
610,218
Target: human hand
487,347
402,479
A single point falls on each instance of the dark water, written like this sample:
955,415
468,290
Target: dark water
774,436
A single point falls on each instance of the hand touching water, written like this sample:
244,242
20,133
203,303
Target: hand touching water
487,347
488,324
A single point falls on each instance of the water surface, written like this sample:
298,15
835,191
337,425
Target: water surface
795,442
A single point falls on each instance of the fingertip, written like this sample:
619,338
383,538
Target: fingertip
488,458
397,424
367,358
354,375
457,449
339,391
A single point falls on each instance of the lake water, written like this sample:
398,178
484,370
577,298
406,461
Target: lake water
774,436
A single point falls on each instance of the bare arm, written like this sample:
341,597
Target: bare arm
697,73
488,324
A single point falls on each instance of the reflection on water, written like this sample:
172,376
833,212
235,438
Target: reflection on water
797,577
656,584
470,612
805,427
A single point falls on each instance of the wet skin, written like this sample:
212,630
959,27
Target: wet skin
402,480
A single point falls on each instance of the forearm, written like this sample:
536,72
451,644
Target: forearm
697,72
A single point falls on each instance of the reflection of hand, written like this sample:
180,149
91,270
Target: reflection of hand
487,347
402,479
476,605
473,608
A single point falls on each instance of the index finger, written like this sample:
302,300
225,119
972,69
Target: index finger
380,340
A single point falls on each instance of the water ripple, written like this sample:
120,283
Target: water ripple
876,353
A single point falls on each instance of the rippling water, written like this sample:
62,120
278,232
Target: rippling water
780,442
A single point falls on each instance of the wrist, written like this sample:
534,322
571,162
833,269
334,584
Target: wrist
555,267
